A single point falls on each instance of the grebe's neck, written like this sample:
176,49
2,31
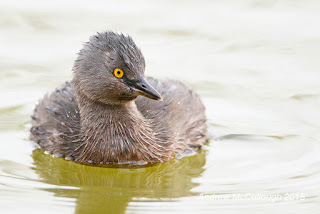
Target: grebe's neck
118,134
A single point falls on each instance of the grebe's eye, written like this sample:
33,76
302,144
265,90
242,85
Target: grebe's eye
118,72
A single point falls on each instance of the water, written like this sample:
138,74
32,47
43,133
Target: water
255,64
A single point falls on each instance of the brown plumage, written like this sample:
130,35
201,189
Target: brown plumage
100,119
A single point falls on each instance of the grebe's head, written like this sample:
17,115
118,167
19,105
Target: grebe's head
110,69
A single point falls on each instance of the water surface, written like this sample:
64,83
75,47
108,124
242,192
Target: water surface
255,65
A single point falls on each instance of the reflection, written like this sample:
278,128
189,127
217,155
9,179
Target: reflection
109,190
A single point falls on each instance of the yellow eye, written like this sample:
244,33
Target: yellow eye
118,72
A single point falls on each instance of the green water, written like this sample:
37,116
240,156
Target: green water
100,189
254,63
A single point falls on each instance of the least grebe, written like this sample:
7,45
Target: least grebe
99,117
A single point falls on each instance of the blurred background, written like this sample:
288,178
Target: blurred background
255,64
